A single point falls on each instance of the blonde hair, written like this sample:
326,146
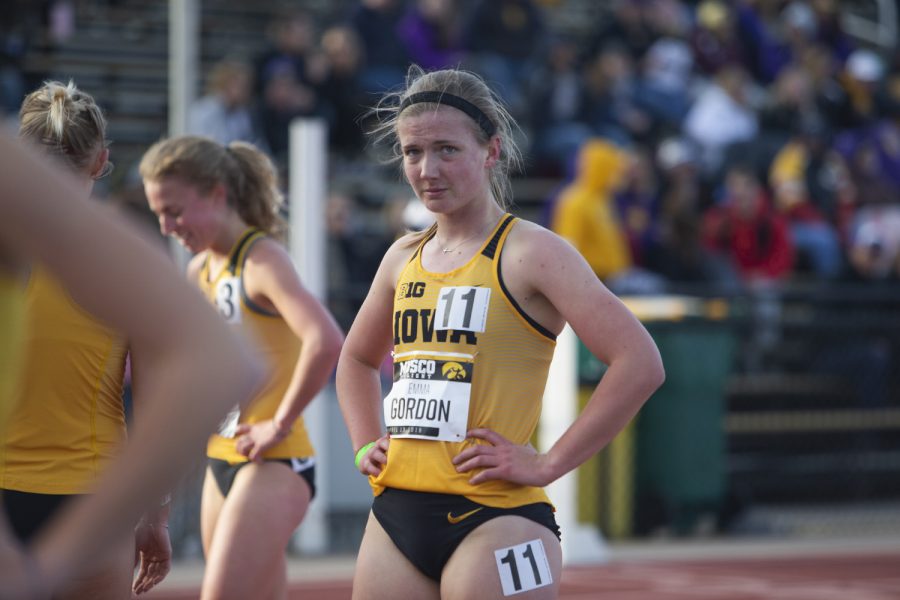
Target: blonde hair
470,87
248,176
66,122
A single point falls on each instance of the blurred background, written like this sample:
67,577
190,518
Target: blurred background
730,168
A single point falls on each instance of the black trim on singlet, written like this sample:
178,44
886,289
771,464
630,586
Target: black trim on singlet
232,267
233,260
247,301
421,245
489,252
491,247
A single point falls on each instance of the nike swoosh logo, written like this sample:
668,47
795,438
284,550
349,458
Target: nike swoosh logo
454,520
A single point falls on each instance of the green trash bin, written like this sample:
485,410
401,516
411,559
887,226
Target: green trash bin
680,446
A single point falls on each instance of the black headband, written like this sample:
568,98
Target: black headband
454,101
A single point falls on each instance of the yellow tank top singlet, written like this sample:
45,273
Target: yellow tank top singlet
69,420
277,346
465,356
12,324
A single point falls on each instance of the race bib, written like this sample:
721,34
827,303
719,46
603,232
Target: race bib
230,422
523,567
430,397
462,308
228,298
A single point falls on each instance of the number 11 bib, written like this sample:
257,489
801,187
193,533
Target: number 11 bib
431,392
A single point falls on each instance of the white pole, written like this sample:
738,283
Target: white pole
580,543
184,33
308,172
887,10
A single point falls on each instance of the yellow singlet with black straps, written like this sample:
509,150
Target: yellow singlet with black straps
276,345
12,324
69,421
465,356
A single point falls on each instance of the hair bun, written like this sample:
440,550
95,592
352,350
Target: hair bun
59,93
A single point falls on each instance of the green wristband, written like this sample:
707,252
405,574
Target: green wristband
362,452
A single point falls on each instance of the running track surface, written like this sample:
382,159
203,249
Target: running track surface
831,577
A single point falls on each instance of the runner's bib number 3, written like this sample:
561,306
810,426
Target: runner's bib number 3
228,303
228,298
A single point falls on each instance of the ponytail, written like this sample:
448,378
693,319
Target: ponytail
65,122
249,177
255,192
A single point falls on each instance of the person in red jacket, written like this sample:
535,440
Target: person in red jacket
745,228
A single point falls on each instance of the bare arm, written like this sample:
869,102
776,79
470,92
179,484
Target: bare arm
567,290
269,273
199,368
618,339
358,375
152,546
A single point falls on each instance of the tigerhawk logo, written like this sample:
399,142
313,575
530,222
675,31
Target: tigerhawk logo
453,371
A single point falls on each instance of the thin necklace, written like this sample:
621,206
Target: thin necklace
447,250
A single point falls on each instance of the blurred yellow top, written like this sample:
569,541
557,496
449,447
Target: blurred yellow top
12,324
69,420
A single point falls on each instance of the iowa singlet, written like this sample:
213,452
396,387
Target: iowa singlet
275,343
465,356
12,324
69,421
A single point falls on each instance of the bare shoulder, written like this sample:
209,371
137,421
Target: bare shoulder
529,233
404,247
400,253
557,282
267,249
541,271
536,246
269,255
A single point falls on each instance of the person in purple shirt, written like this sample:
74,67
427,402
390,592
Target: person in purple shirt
430,32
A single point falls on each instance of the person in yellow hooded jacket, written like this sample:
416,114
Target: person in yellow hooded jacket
586,215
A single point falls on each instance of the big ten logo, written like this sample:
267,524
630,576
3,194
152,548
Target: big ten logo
418,368
414,289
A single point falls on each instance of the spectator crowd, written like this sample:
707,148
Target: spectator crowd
731,143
